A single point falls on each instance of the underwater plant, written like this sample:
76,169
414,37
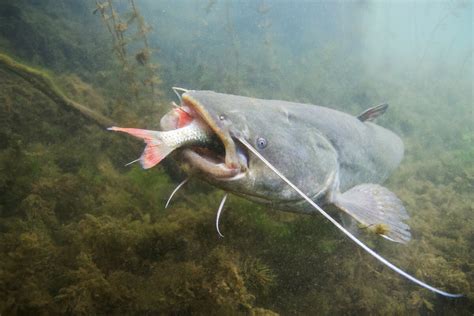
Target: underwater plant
137,67
257,275
82,234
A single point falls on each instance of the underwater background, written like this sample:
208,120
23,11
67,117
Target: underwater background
80,233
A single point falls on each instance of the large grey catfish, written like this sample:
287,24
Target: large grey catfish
333,157
292,156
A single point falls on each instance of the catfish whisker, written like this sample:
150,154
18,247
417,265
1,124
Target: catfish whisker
341,228
176,190
176,89
219,211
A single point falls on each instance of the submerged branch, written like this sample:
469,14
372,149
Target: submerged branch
43,83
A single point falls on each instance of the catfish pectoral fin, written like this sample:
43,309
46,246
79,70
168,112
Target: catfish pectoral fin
349,223
377,209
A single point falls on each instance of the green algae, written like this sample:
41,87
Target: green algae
42,81
81,234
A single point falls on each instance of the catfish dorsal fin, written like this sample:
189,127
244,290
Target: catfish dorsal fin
341,228
372,113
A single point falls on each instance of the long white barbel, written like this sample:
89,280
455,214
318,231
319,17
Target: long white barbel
176,190
176,90
219,211
345,231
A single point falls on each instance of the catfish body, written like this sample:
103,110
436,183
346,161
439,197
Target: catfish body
331,156
318,148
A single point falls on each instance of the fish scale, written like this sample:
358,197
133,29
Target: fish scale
161,143
194,133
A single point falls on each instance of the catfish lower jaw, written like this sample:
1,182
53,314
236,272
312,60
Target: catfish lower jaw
216,170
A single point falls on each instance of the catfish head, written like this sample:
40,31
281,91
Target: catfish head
279,130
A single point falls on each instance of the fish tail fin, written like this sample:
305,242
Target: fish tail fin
156,149
376,209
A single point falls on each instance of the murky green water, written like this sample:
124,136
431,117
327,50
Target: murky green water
82,234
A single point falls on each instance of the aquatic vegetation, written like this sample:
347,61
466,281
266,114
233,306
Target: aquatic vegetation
120,26
53,36
257,275
82,234
41,81
85,236
65,253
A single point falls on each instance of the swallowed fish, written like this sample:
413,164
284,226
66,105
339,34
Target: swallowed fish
159,144
294,157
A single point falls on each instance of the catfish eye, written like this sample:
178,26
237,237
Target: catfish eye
222,117
261,142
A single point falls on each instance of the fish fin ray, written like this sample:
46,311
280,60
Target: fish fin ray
154,153
349,223
376,209
155,149
372,113
137,132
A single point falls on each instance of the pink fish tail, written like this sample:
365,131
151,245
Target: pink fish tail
155,150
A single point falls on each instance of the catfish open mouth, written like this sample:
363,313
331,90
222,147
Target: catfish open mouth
224,160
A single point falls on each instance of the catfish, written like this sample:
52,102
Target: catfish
293,157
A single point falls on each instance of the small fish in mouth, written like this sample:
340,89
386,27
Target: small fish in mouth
185,129
159,144
253,147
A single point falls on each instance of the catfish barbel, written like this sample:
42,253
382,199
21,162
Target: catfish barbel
294,157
